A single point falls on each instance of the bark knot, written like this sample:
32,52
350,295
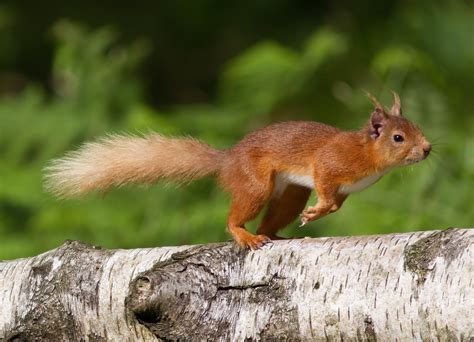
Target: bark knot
419,257
168,298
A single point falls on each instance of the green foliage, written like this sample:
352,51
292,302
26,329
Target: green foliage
96,89
269,73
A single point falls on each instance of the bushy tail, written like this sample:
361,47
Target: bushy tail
122,159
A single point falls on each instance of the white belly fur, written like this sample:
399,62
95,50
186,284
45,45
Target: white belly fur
360,184
283,179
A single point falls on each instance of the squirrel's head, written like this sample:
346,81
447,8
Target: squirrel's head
396,140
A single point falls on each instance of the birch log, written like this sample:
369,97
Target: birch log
396,287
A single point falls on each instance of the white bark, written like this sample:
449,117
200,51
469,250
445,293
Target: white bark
393,287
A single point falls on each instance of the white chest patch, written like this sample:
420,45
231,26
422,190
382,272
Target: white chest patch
360,184
283,179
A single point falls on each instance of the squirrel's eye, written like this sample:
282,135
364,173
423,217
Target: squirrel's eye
398,138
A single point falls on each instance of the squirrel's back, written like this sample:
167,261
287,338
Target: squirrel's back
290,141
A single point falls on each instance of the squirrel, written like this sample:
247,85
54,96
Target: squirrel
276,166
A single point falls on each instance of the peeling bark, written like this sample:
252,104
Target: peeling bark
401,287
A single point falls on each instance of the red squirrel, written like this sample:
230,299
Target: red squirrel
277,166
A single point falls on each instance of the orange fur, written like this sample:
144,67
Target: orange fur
275,165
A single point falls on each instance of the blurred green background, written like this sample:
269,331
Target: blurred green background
72,71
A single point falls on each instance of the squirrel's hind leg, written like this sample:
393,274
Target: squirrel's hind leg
245,206
283,209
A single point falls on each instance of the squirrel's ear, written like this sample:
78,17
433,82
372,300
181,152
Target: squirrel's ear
377,122
396,107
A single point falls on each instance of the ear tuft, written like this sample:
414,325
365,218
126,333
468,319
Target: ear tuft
396,107
375,102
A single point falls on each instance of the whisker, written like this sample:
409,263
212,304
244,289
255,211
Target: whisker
439,141
439,137
435,154
430,163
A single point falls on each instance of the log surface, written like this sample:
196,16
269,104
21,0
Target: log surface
415,286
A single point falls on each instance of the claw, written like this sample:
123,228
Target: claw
307,216
304,219
258,242
255,242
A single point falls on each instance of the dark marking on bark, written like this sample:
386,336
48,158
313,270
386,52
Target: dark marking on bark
42,270
17,337
396,284
240,287
369,329
282,325
419,256
95,338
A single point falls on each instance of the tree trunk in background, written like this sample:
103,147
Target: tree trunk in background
393,287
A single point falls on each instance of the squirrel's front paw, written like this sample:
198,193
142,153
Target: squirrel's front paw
307,216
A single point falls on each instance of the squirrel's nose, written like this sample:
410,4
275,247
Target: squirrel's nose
427,150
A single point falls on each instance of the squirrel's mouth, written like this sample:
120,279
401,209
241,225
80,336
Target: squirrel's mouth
415,160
